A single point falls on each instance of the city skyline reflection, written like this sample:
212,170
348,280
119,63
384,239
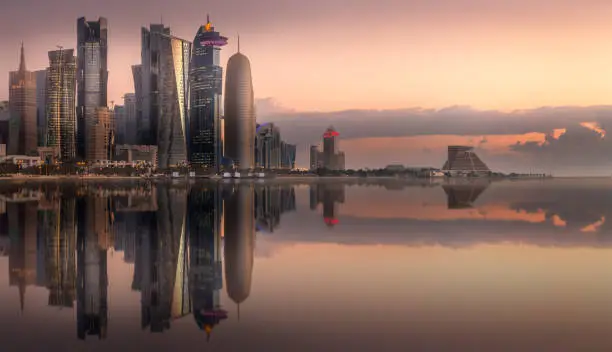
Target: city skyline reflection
195,254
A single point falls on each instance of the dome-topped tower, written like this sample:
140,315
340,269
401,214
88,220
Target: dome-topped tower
239,112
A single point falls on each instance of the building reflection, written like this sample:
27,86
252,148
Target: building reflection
239,242
462,195
60,236
330,195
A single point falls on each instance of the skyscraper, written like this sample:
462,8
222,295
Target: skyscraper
268,146
41,107
239,112
206,87
164,95
98,135
22,105
330,158
130,118
92,78
61,114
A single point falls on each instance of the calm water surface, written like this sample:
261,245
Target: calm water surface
319,266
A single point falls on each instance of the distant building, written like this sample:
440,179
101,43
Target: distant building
288,152
120,124
395,168
49,155
92,79
41,107
463,160
330,158
22,106
61,99
268,146
239,112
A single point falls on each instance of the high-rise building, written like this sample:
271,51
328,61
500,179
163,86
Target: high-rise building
5,117
239,113
98,140
92,78
130,119
61,114
164,93
143,125
288,152
330,158
41,107
120,124
206,88
22,106
268,146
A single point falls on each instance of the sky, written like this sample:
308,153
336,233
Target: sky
369,57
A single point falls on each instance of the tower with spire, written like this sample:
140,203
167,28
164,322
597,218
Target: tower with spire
23,135
204,142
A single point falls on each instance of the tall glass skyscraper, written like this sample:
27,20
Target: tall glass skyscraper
92,79
61,89
206,85
162,93
22,106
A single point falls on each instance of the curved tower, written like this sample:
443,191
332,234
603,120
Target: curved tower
239,242
239,112
206,86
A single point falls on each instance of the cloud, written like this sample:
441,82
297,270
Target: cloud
558,139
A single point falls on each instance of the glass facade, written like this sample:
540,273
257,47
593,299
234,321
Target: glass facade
92,77
23,136
206,88
174,98
61,114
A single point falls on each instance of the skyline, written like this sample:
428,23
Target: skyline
431,67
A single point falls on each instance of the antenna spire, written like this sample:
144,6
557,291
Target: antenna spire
207,18
238,42
22,65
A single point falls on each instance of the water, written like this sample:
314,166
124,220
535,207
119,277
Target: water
331,265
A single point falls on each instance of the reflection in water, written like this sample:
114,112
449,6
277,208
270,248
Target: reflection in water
462,195
189,242
330,194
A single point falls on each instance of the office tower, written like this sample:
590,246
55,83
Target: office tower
5,117
22,106
206,87
61,114
92,280
120,124
239,112
268,146
41,107
288,152
98,141
330,147
164,93
22,228
92,78
239,242
130,114
142,124
463,160
314,158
